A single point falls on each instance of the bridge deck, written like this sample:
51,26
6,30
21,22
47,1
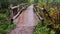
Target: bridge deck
25,22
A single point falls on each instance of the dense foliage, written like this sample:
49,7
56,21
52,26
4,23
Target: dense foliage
51,19
5,23
42,29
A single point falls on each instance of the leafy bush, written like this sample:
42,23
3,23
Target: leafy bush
5,24
42,29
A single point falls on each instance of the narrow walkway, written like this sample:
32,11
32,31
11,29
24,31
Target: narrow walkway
25,22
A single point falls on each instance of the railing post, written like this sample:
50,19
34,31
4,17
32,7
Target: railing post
11,13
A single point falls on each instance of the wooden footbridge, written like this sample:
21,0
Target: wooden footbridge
25,19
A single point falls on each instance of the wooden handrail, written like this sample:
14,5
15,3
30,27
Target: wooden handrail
19,12
15,7
18,5
40,18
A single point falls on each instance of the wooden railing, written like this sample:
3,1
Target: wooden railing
36,12
20,9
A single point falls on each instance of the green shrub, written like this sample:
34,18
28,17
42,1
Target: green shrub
42,29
